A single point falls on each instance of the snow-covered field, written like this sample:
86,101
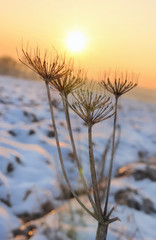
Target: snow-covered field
31,181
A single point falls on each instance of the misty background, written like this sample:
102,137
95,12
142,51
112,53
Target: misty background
10,67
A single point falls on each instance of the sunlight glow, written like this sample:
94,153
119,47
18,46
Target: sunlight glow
76,41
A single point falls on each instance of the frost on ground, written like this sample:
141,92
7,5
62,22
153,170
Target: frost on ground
34,199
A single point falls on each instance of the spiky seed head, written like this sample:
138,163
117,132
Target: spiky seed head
69,82
121,84
91,106
49,67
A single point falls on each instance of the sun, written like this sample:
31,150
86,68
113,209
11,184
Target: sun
76,41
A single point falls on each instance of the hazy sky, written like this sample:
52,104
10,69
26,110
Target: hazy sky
121,34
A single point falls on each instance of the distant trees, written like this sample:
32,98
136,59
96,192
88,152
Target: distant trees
9,67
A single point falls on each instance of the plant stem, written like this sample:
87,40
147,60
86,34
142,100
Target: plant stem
102,174
79,166
112,158
111,165
60,154
93,171
101,233
104,155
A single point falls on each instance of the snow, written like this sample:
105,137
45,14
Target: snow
30,173
8,221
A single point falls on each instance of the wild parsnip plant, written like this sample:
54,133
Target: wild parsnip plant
92,107
119,85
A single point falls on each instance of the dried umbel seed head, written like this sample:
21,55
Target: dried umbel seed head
121,83
68,83
49,67
91,106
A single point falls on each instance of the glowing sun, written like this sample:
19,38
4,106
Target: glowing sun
76,41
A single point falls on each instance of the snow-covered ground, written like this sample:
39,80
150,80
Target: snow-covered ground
31,181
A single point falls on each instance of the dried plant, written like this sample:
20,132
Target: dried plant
49,67
78,81
120,85
52,69
65,85
68,82
93,107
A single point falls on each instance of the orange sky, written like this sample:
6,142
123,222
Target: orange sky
121,34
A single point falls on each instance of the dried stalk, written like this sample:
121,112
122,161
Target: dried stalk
104,159
93,171
112,159
104,155
110,169
79,166
60,155
101,233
